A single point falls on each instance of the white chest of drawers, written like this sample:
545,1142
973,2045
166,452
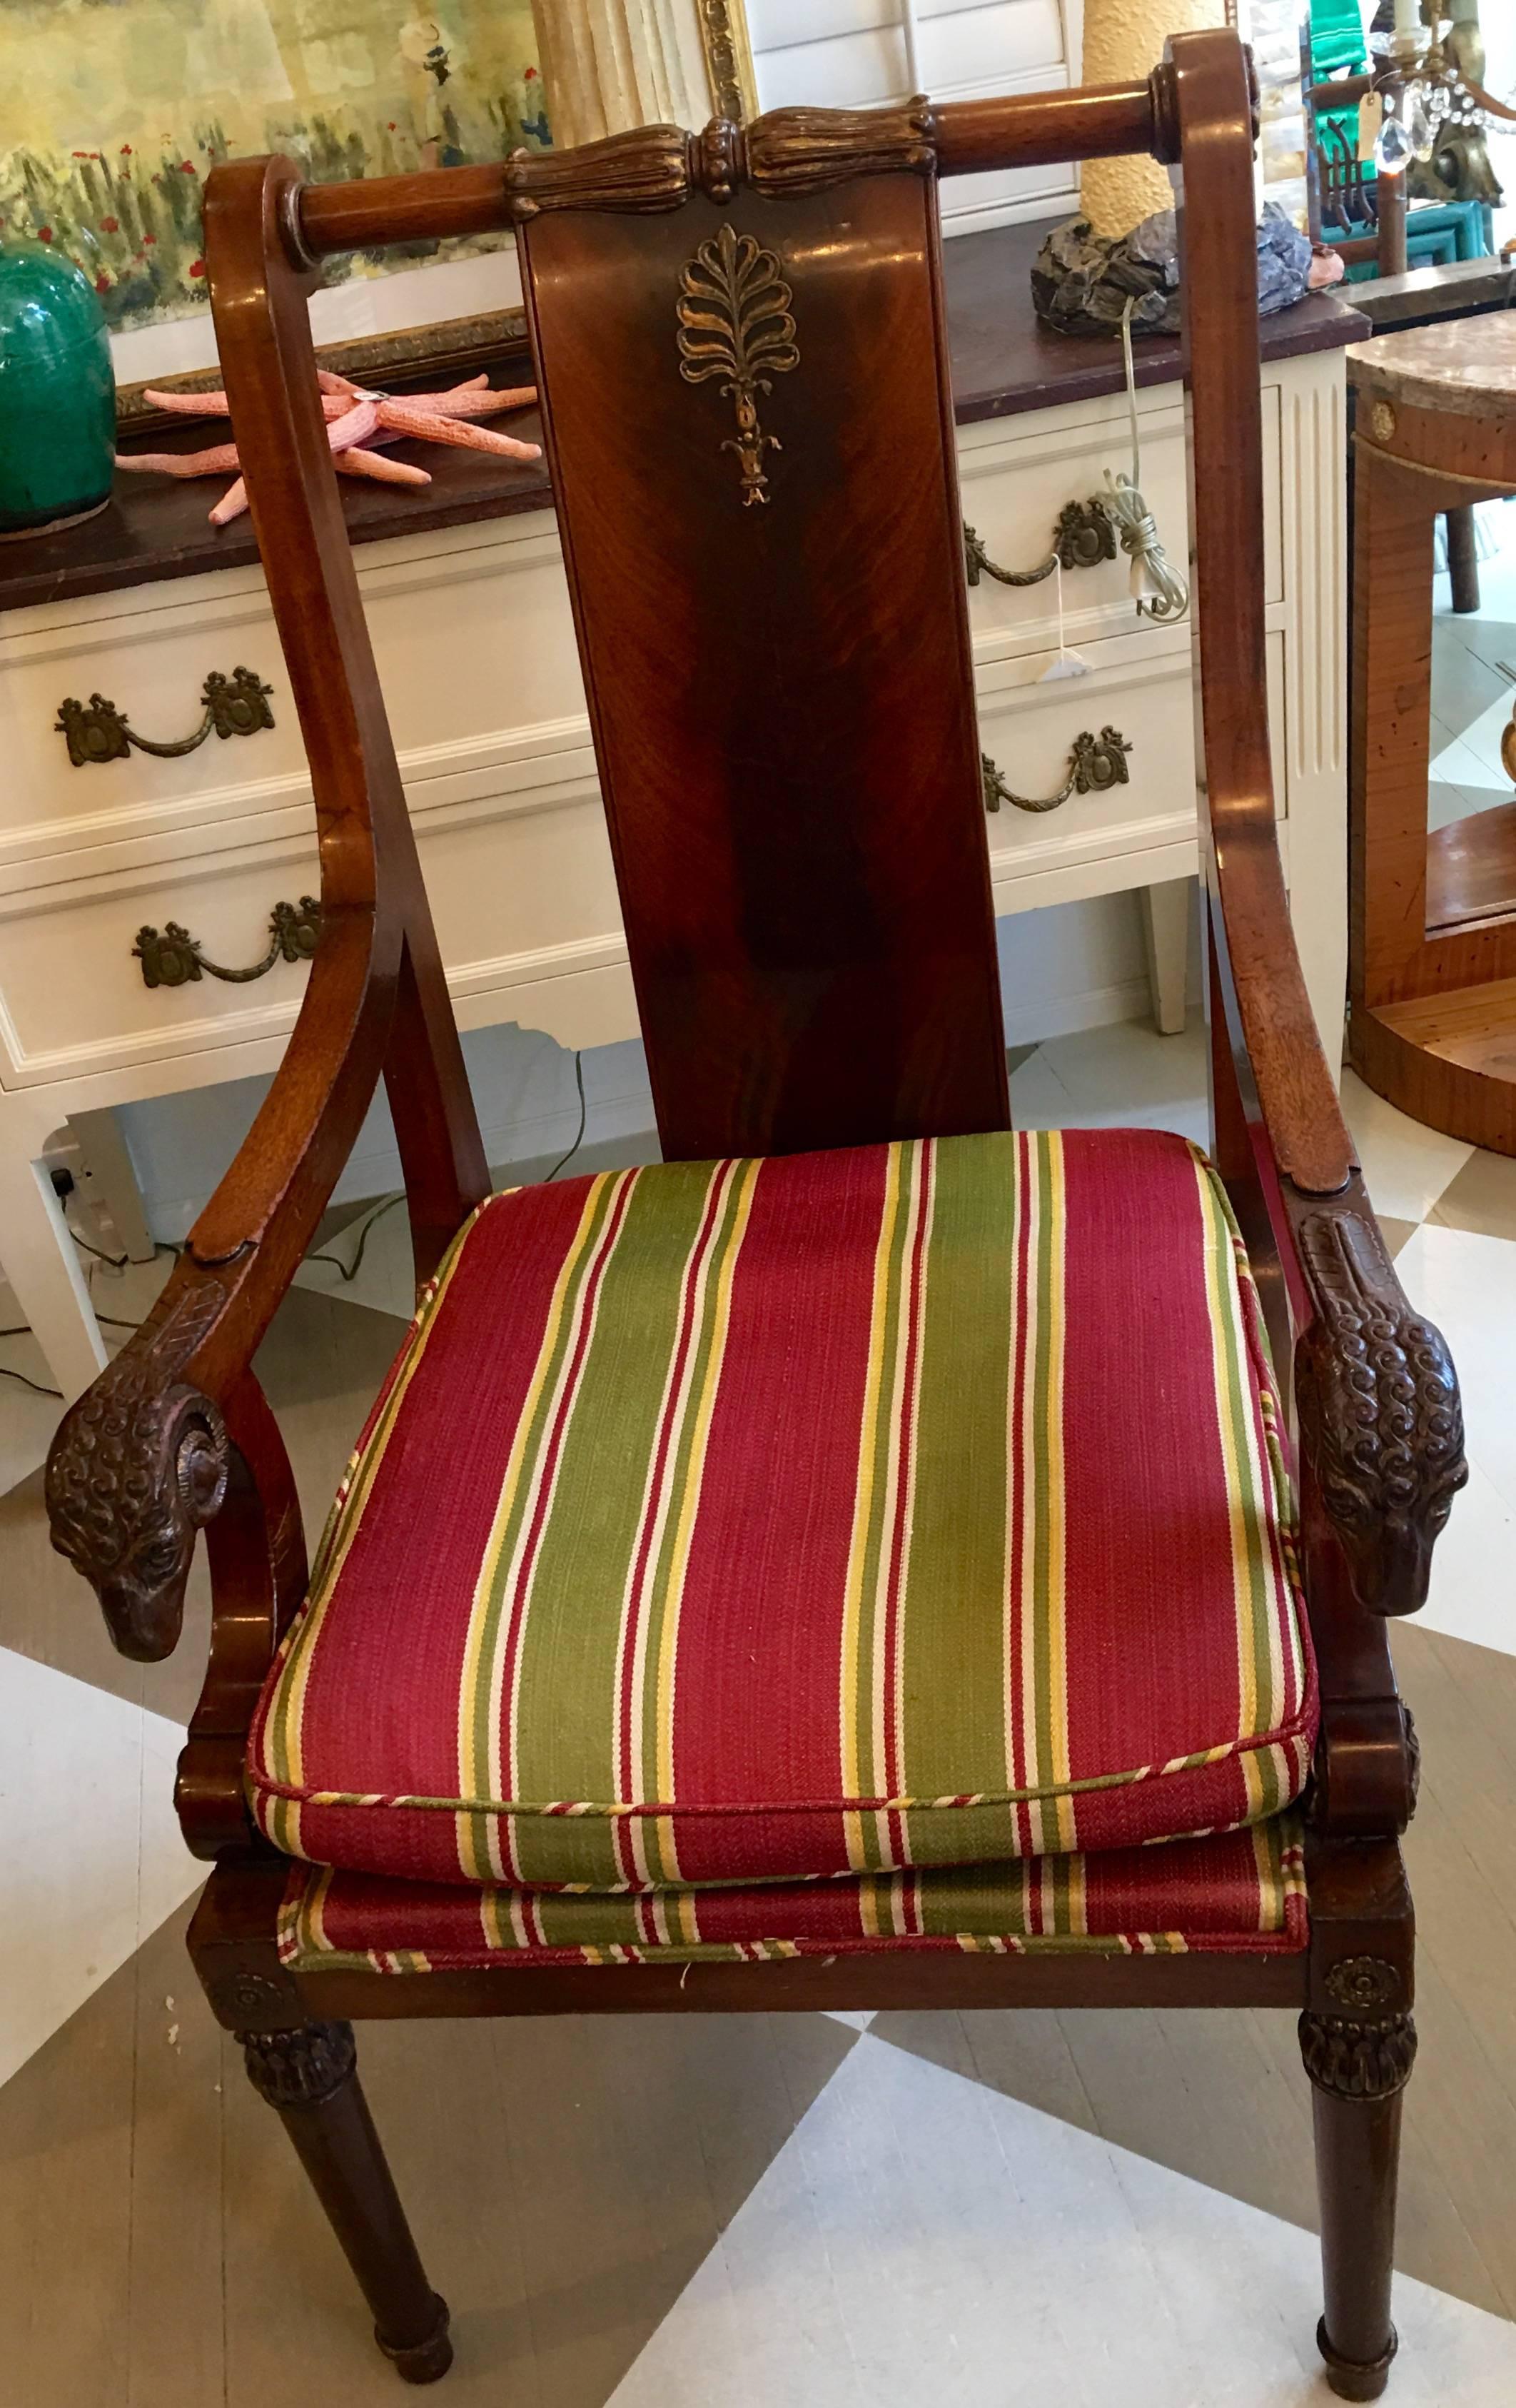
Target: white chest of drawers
472,632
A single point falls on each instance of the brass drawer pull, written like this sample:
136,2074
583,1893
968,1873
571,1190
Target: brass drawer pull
1095,762
1083,538
175,958
97,731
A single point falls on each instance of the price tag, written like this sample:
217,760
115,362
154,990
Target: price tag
1370,117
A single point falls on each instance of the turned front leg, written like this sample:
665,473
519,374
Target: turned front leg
1358,2069
308,2076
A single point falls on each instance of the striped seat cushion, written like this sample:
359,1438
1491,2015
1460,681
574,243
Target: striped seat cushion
908,1505
1240,1890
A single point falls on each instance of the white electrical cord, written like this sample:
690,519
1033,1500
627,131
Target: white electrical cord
1157,588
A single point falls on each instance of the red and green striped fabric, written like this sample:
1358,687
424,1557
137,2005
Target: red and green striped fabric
1241,1891
906,1505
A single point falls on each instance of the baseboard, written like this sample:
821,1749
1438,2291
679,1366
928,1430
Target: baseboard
1065,1015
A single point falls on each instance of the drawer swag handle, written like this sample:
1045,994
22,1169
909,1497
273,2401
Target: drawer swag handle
175,958
1095,762
97,731
1083,538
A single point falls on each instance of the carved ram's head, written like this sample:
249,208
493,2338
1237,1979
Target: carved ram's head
136,1470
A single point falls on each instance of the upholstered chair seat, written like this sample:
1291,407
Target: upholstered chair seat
833,1550
1236,1891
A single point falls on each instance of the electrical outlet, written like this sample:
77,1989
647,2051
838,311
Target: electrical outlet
104,1186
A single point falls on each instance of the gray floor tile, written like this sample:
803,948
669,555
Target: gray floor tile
1482,1196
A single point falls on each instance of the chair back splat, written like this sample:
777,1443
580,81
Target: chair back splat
750,438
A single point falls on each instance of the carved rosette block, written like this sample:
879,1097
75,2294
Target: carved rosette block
1360,1982
244,2000
303,2068
1352,2059
138,1467
1381,1422
806,150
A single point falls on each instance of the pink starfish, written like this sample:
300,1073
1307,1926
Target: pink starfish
353,416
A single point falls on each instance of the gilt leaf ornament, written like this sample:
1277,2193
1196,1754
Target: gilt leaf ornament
735,322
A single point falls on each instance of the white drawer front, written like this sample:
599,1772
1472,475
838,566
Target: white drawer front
475,642
522,889
74,1000
1031,733
1018,475
471,637
152,668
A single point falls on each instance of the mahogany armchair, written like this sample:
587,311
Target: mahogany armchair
805,1574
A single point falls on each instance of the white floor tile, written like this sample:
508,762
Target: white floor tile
920,2241
90,1856
1405,1167
1471,1593
1466,1284
1456,763
859,2017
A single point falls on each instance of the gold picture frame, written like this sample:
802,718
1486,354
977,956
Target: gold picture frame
723,37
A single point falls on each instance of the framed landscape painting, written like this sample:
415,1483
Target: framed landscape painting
116,109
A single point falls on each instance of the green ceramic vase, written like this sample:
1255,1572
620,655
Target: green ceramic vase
57,392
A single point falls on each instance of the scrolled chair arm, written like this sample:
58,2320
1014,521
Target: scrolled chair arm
138,1468
1381,1422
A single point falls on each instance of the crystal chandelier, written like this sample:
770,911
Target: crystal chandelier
1430,60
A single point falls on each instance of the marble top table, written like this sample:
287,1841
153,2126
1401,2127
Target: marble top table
1466,365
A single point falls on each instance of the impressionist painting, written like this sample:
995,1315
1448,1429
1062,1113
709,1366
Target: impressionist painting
115,110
